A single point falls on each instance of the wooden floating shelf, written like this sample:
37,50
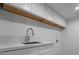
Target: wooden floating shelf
1,5
25,13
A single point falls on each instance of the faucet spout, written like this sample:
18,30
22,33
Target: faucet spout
27,37
31,30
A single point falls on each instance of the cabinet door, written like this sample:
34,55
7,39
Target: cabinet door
39,9
49,14
30,51
54,17
25,6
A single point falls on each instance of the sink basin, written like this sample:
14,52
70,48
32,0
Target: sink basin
31,42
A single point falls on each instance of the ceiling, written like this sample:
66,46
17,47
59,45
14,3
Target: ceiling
67,10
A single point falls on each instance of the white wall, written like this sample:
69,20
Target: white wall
71,37
13,30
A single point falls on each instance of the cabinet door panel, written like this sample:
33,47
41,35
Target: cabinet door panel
54,17
39,9
25,6
50,15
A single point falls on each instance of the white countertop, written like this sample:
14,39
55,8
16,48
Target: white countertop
20,46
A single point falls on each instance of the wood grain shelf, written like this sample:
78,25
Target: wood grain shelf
1,5
25,13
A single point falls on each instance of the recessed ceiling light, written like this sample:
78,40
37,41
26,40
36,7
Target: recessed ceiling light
77,7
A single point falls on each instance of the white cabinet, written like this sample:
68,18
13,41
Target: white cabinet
36,8
25,6
30,51
54,17
49,14
39,9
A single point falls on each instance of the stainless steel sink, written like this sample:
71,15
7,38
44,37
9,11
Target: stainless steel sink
31,42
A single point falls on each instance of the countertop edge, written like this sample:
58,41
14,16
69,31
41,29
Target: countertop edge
23,47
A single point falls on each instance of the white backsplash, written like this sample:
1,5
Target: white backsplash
13,29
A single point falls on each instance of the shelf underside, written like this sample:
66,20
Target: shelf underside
24,13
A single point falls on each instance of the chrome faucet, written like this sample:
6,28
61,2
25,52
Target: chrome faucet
27,37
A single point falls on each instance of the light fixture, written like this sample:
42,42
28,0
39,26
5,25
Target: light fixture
77,7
